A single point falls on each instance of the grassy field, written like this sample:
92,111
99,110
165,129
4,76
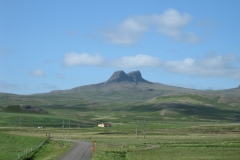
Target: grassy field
196,140
190,146
175,126
52,150
12,145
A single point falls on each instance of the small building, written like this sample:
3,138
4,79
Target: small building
104,125
40,127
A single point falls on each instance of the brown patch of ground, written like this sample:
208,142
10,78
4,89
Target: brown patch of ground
32,108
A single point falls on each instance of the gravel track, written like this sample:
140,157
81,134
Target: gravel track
81,151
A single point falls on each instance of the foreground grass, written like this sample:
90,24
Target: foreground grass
12,145
162,141
177,127
183,147
52,150
14,142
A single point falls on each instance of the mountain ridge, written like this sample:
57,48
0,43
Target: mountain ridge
119,87
121,76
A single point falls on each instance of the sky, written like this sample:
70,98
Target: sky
50,45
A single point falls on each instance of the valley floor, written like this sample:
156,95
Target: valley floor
205,141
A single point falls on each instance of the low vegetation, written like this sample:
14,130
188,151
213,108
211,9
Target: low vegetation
13,145
186,126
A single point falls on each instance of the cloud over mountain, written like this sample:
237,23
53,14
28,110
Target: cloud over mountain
211,65
37,73
140,60
73,59
170,23
137,61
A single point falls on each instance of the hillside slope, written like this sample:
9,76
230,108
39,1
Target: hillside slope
120,87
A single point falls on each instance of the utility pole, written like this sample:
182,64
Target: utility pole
63,128
68,127
144,128
137,129
20,123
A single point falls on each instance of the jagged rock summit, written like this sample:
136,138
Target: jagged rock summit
137,77
121,76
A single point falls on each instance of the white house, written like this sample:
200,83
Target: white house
104,125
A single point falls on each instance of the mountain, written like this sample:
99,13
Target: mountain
120,87
121,76
137,77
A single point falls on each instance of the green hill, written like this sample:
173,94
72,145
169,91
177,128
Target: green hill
125,96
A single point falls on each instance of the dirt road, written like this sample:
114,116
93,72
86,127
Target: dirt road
81,151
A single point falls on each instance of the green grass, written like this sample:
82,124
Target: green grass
52,150
186,153
14,108
173,140
189,146
183,127
12,145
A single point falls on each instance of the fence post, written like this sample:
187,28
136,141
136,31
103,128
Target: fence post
26,152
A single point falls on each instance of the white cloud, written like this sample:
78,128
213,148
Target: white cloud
37,73
212,65
140,60
76,59
170,23
136,61
8,86
127,32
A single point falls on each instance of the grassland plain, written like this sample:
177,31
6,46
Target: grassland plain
178,146
193,140
12,145
15,142
53,150
176,126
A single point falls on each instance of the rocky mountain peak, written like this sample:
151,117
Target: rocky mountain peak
136,75
120,76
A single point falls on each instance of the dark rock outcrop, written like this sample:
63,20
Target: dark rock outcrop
32,108
137,77
121,76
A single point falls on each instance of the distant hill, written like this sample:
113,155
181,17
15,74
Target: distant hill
123,87
120,87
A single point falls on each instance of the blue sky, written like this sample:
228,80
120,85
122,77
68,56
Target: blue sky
48,45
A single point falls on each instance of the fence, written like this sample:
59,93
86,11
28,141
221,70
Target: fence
29,153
